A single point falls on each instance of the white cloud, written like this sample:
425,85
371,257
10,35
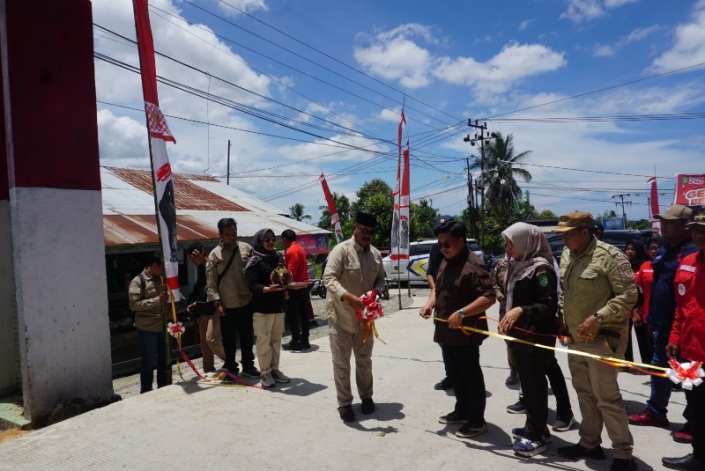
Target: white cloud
587,10
525,24
689,44
639,34
394,55
247,6
512,64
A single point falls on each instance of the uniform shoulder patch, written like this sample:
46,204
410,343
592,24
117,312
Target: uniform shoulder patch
542,278
625,271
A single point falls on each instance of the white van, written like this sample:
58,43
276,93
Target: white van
414,269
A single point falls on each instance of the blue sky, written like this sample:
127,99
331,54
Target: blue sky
593,88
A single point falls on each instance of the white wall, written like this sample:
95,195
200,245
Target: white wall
61,292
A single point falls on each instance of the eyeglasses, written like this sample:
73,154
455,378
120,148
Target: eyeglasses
366,231
269,239
653,248
444,245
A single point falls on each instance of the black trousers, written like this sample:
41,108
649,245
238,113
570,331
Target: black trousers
645,343
463,364
533,367
559,388
238,322
296,309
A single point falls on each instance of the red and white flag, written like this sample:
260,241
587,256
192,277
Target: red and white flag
654,209
158,135
400,219
334,221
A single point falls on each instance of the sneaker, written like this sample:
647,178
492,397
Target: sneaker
525,447
469,430
294,346
346,413
518,434
623,464
647,418
280,377
251,372
267,381
452,418
684,435
563,425
577,451
368,406
443,384
517,408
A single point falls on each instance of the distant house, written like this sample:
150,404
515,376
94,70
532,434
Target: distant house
130,230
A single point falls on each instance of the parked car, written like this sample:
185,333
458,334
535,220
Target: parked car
618,238
418,261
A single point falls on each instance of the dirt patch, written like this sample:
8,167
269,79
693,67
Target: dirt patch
11,434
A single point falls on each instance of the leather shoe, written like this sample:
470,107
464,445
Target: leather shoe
443,384
623,464
347,413
293,346
647,419
577,451
687,462
368,406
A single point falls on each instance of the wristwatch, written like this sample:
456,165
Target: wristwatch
461,314
598,318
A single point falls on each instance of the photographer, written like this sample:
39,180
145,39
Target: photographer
208,322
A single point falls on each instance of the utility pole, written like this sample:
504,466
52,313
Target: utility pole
471,203
482,140
227,177
621,197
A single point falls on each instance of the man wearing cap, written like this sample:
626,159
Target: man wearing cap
662,307
354,267
434,259
687,339
598,293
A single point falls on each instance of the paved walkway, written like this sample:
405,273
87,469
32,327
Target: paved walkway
192,425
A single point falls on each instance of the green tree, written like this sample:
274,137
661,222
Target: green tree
502,192
375,197
423,219
298,212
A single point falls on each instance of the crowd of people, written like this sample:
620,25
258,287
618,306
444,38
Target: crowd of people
590,299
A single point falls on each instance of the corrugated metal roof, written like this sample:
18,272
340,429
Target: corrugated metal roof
129,219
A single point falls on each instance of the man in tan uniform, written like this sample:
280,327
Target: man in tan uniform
148,298
353,268
598,294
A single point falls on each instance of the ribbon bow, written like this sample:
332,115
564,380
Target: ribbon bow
176,329
689,373
371,311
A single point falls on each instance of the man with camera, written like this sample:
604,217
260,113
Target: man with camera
208,321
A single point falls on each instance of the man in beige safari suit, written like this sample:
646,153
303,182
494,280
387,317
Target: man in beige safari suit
598,294
353,268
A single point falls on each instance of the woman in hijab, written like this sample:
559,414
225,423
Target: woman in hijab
530,286
268,306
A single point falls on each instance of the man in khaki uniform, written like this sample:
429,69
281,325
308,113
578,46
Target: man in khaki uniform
353,268
228,288
599,292
148,298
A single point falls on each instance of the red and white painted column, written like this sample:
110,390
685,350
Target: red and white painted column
50,206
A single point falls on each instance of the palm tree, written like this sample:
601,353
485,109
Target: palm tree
297,212
502,191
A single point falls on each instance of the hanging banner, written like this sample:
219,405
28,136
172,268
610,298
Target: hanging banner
690,190
334,221
158,135
399,238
